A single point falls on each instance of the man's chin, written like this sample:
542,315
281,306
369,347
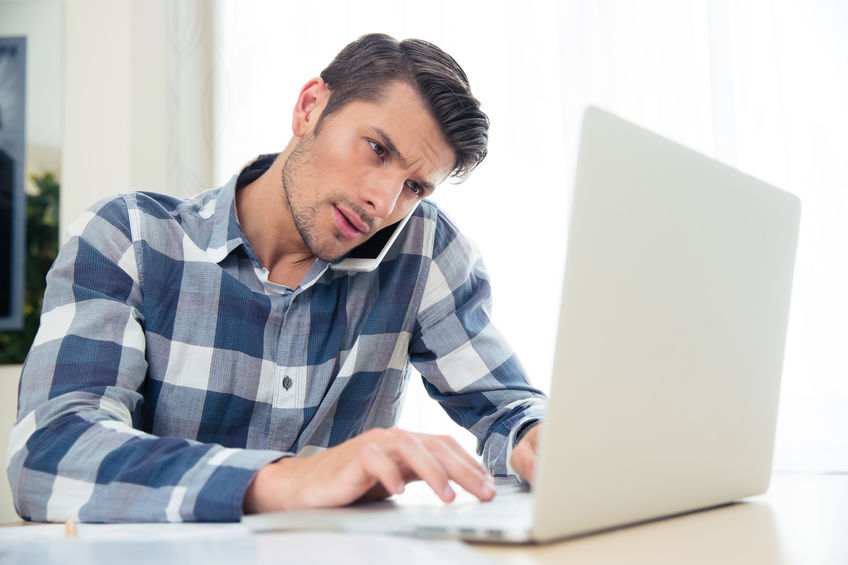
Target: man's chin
330,255
331,258
331,249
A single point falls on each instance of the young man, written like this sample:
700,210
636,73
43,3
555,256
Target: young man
202,358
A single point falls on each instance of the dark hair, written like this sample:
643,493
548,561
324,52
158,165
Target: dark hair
366,66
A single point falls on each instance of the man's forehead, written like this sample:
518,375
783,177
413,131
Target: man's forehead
397,91
408,134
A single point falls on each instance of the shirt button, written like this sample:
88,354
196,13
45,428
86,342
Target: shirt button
287,382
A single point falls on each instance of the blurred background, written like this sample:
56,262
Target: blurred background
174,96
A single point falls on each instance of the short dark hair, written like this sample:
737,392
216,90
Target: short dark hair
366,66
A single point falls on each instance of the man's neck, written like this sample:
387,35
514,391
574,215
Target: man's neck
268,225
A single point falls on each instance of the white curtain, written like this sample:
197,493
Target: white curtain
760,85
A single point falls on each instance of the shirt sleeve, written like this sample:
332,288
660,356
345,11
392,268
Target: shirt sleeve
466,363
74,452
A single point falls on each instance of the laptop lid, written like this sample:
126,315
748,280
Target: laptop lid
670,348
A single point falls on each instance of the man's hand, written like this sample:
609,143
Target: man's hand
523,458
371,466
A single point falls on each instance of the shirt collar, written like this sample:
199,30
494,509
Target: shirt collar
219,208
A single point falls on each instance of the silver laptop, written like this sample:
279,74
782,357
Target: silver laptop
669,352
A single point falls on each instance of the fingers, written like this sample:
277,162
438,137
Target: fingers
436,460
523,463
523,458
460,467
379,465
395,457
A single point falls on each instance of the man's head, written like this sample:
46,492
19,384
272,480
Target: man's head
384,125
364,68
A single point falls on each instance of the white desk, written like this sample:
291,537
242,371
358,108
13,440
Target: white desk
802,519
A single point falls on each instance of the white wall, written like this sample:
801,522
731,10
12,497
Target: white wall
137,100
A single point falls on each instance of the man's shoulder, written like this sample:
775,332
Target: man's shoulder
153,217
167,206
428,230
445,231
155,204
436,218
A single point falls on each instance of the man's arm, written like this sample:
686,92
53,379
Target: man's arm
466,363
74,452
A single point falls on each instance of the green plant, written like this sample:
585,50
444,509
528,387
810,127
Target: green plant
42,245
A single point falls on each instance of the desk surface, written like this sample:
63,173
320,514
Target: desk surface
802,519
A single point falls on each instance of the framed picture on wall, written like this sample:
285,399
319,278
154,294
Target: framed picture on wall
12,162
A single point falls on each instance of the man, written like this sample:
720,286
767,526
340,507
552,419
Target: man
202,358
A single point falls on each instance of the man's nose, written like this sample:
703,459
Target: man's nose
381,193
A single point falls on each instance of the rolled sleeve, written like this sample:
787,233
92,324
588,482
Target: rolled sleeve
466,363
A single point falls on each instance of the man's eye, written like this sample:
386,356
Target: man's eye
416,188
378,149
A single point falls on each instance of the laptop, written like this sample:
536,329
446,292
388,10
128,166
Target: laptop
668,359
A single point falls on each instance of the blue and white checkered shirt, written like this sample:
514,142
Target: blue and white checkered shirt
168,370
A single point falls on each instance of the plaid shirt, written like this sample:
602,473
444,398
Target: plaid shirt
168,370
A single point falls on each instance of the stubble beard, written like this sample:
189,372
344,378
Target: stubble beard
305,216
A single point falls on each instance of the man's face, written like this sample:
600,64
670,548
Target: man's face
367,167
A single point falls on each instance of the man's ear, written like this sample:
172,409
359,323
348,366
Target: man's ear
310,103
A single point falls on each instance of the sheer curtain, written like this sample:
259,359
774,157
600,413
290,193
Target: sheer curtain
759,85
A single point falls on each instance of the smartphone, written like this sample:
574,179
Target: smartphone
366,257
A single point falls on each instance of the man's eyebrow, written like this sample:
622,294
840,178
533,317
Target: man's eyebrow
387,142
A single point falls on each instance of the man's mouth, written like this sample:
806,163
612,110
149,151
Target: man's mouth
349,223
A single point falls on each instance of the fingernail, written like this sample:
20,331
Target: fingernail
400,488
488,488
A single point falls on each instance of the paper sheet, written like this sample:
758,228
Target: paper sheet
211,544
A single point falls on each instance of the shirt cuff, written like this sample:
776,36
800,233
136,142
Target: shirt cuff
523,429
221,499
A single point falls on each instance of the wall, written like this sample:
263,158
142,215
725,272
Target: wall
137,100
